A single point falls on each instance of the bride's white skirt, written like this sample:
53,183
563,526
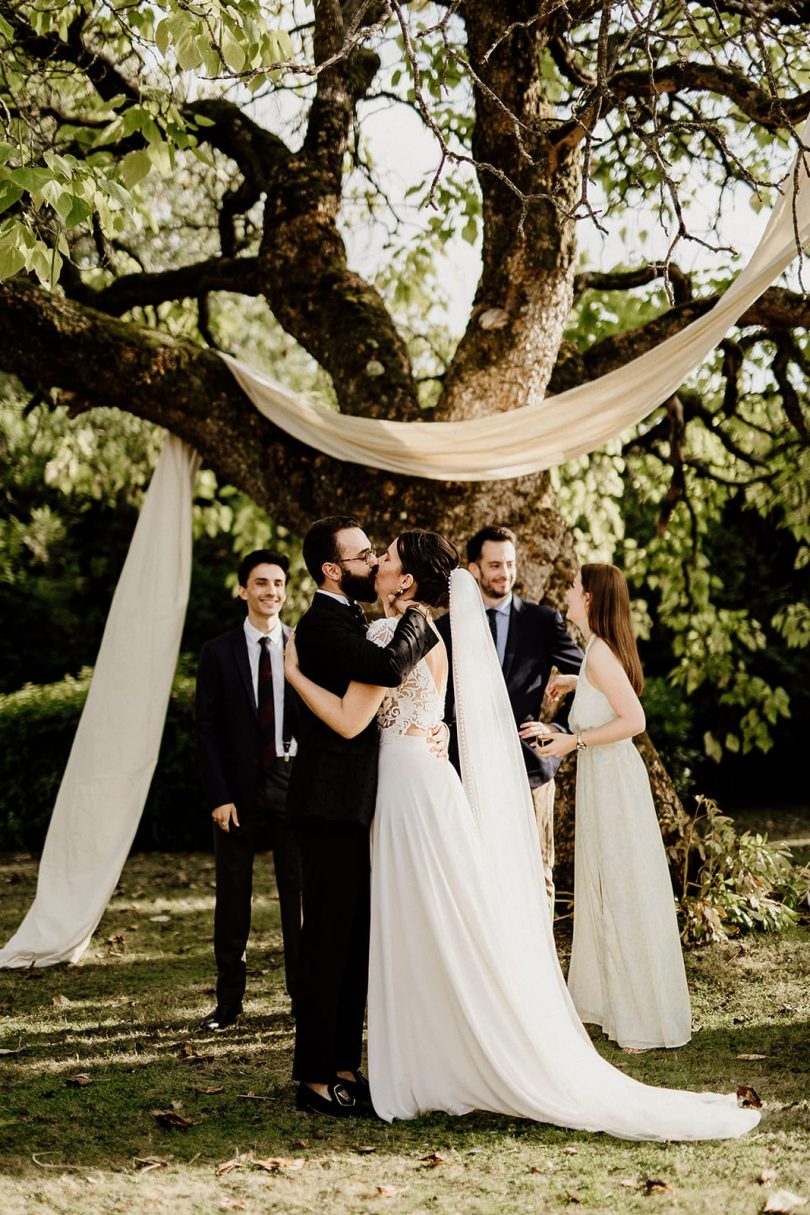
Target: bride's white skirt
461,1016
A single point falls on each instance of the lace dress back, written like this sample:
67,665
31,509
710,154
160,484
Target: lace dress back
417,704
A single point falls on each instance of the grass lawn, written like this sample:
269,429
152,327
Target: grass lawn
124,1019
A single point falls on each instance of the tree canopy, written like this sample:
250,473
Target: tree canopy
179,177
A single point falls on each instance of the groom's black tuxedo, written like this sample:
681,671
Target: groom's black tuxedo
335,779
332,796
536,641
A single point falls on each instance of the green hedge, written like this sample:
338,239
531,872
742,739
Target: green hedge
37,725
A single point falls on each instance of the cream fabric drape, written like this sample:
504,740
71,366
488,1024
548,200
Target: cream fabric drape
555,430
104,788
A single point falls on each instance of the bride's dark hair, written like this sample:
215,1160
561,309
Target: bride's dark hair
430,559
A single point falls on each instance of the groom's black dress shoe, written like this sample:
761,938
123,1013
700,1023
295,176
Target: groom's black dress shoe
341,1105
222,1016
357,1088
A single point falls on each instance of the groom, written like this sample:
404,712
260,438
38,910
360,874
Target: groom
330,804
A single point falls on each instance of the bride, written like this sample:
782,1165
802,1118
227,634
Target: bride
468,1008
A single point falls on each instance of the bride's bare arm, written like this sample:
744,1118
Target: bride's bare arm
347,715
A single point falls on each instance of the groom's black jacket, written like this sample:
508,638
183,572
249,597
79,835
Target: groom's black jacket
335,778
536,641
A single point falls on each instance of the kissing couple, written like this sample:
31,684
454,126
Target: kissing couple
424,893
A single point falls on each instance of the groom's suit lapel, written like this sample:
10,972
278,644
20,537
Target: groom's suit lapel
513,636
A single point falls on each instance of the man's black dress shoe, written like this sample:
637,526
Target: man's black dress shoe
222,1016
357,1088
341,1105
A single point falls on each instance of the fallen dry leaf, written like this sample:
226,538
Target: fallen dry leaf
207,1089
187,1054
766,1177
171,1119
432,1160
160,919
784,1202
80,1080
237,1162
572,1197
654,1185
61,1002
390,1191
751,1058
748,1097
6,1050
277,1164
629,1184
570,1151
365,1149
232,1204
145,1164
300,1143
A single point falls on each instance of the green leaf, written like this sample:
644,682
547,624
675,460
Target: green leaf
9,195
232,52
187,51
134,167
163,37
12,260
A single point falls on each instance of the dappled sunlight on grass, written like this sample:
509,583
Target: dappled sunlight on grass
126,1019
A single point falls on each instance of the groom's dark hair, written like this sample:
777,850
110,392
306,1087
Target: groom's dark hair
476,543
320,545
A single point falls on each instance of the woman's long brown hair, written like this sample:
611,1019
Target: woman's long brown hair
609,617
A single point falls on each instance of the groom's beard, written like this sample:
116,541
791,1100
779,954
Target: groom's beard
359,587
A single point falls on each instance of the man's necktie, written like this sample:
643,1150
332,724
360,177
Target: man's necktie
359,615
492,617
267,706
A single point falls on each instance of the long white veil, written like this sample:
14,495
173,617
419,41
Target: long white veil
544,1064
494,778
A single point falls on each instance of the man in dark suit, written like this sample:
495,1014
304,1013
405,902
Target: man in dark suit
530,640
331,803
246,714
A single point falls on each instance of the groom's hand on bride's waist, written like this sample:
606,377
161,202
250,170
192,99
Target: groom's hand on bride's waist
439,740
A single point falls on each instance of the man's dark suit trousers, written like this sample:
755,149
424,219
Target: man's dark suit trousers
234,853
333,975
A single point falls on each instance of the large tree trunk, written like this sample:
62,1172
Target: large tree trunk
504,360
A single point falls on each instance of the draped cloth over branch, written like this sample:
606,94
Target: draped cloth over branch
560,428
104,788
114,752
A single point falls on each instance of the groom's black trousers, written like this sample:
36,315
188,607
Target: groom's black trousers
333,962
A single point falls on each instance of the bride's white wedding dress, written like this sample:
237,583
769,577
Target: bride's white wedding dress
468,1008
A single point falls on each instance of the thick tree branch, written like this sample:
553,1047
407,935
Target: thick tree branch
773,113
237,274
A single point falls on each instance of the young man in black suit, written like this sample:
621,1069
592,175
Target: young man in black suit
331,803
246,717
530,640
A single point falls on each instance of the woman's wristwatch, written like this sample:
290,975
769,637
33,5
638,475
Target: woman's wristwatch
581,743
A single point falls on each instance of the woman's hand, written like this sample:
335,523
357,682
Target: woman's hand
291,667
561,685
530,731
548,741
556,744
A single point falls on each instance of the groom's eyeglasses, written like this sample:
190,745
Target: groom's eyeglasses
367,555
